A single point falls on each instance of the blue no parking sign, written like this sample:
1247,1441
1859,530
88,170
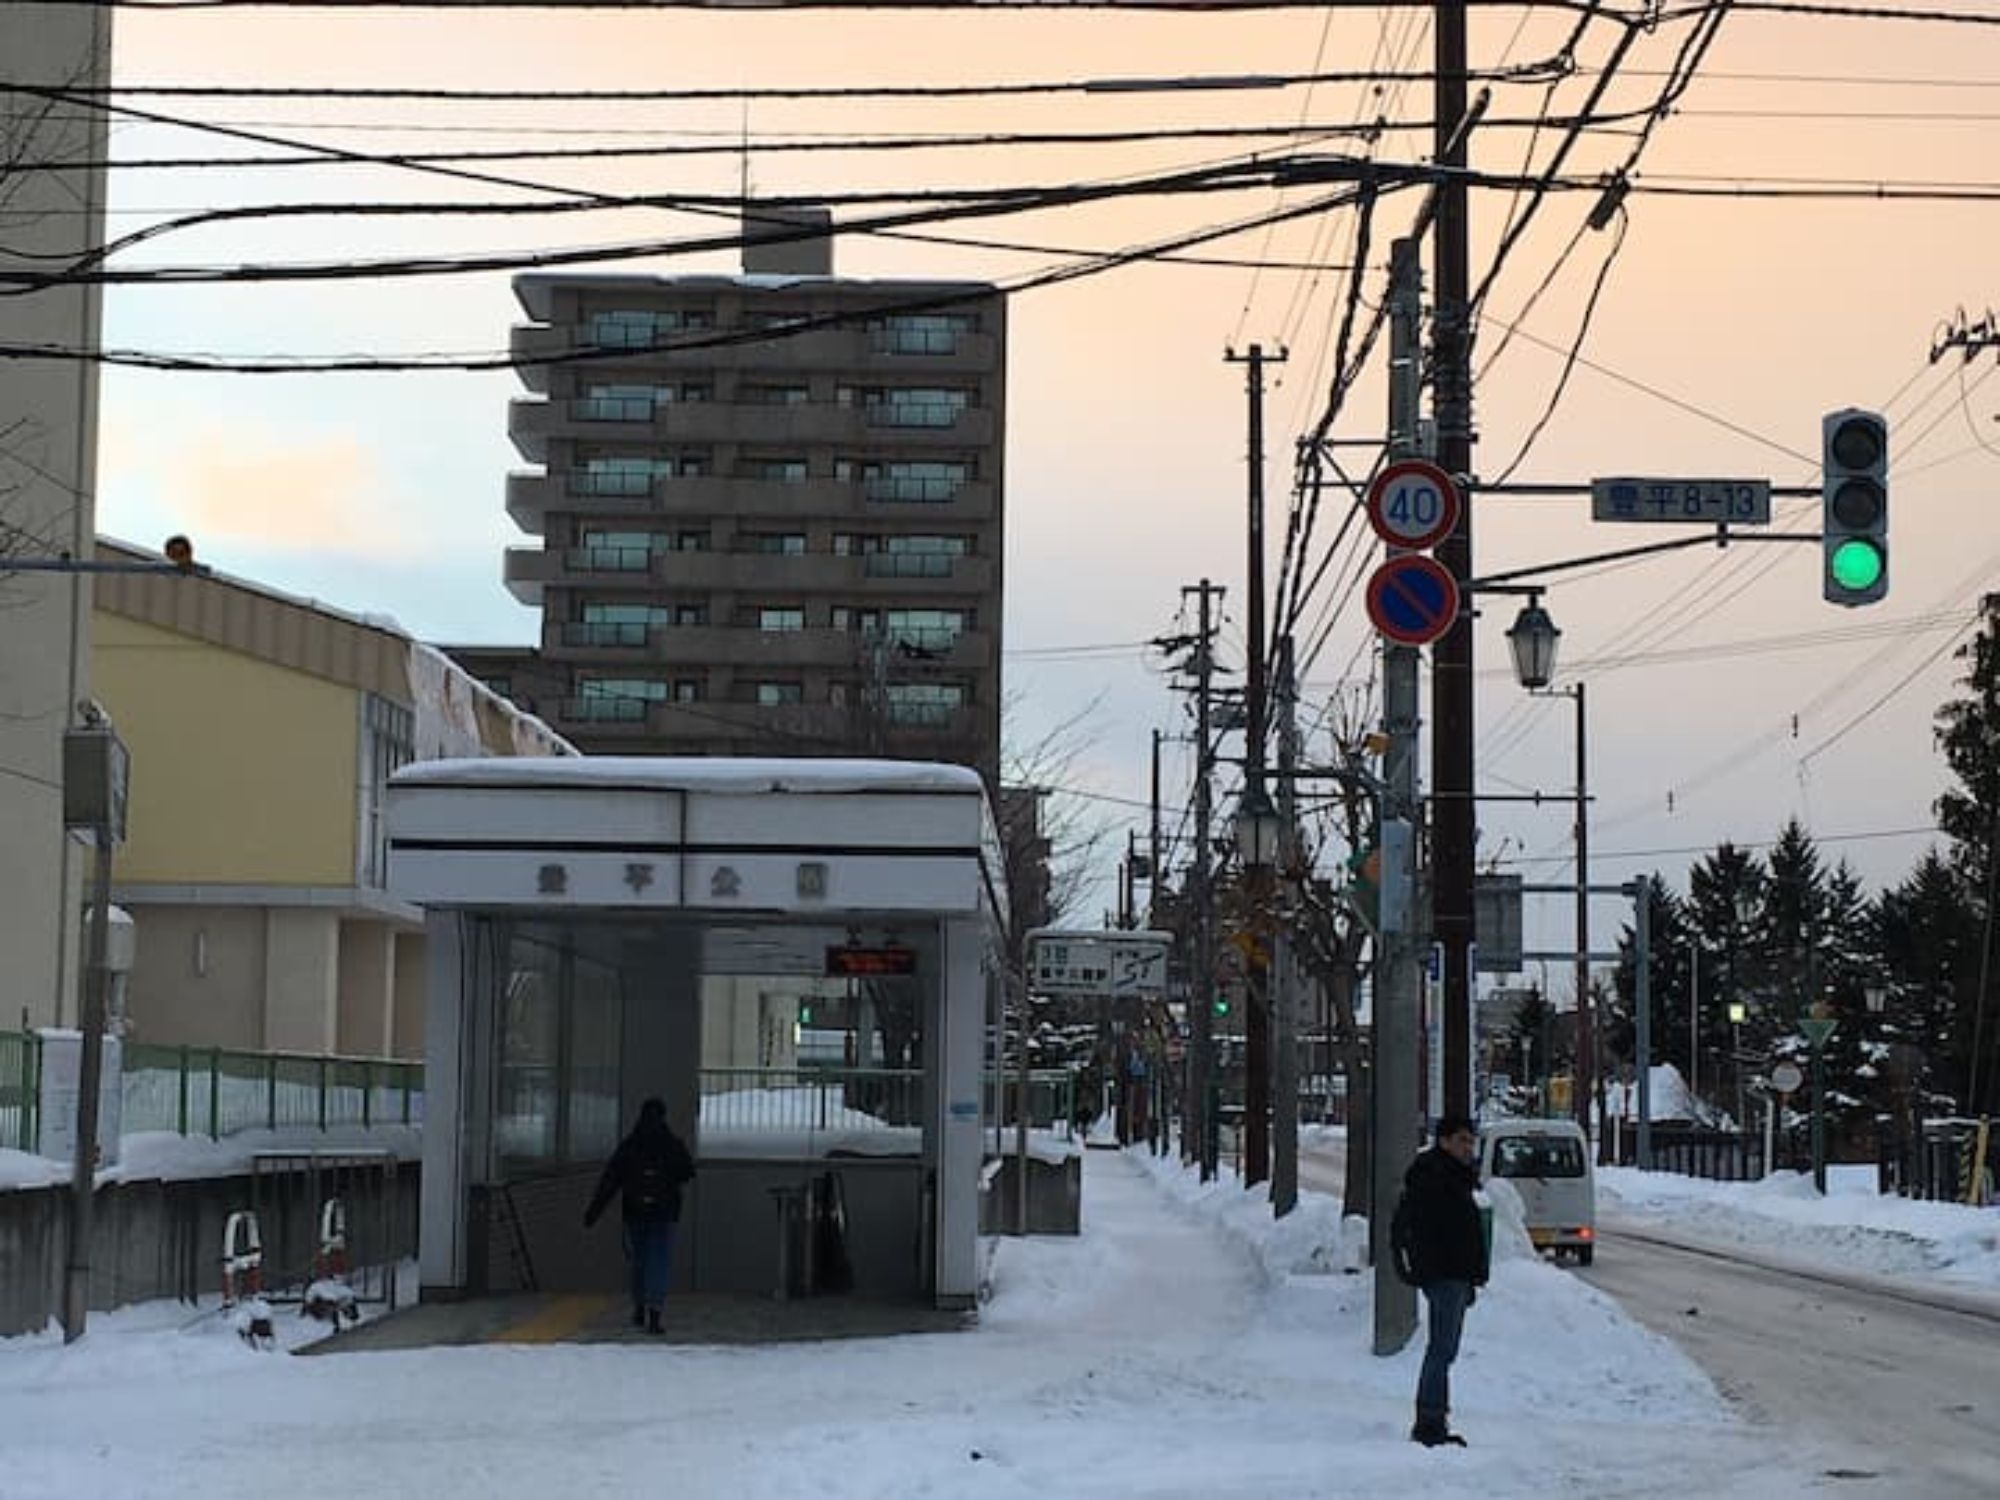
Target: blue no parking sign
1412,599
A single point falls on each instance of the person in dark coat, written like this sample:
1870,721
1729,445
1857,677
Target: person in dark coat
1440,1247
646,1172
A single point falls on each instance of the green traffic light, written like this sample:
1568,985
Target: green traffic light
1856,564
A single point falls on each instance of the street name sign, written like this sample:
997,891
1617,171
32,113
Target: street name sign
1413,504
1736,502
1412,599
1122,963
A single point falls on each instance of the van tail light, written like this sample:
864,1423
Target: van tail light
1586,1233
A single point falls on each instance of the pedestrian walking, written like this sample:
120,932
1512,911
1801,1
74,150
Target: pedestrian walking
1439,1245
646,1171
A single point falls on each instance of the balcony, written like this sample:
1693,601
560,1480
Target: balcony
541,347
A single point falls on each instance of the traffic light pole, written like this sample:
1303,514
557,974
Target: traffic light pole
1397,1129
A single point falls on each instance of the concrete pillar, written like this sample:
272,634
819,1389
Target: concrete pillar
367,989
301,979
955,1044
663,1030
443,1219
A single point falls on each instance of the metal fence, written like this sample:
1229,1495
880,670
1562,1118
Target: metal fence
774,1100
214,1091
20,1089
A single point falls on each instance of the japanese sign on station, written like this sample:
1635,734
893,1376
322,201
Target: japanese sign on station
1118,962
1735,502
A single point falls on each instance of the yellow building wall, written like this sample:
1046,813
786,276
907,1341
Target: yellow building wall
243,773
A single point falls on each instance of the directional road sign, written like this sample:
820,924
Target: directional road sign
1412,504
1737,502
1118,962
1412,599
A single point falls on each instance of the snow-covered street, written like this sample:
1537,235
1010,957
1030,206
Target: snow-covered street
1183,1345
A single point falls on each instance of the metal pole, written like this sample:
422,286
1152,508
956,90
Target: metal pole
1694,1022
1396,986
1586,1004
1642,961
1257,1019
1201,1108
1819,1119
1452,657
1022,1086
89,1074
1284,994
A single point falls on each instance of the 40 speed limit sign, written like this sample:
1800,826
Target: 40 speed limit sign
1413,504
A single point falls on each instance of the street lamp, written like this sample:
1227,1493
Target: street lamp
1532,639
1259,829
1738,1014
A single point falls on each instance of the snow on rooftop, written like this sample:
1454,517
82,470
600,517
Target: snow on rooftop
729,776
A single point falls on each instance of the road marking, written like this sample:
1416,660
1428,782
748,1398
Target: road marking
560,1320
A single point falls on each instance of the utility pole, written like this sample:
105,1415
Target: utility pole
1256,705
1397,1129
1642,1004
1153,886
1284,994
1454,814
1200,1107
1585,1092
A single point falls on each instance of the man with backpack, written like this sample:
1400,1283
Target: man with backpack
1440,1246
647,1171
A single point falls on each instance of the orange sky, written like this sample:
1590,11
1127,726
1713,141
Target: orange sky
1125,426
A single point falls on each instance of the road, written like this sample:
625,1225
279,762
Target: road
1908,1392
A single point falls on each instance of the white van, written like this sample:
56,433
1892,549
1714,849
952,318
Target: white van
1548,1164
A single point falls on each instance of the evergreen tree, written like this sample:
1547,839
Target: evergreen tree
1927,934
1791,927
1720,888
1968,731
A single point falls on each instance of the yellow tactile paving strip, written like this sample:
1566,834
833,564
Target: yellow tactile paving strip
563,1318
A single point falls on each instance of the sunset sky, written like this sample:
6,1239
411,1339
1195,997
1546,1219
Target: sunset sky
1726,327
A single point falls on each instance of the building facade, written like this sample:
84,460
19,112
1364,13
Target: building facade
262,731
52,187
770,513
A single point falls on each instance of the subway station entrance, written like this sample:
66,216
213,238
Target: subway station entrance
800,957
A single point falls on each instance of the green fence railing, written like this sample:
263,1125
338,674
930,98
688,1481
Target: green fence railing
20,1089
217,1091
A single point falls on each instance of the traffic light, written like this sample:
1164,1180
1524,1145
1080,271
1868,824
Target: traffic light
1854,507
1222,1005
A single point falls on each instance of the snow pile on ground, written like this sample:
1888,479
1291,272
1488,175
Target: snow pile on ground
1783,1215
1184,1345
161,1155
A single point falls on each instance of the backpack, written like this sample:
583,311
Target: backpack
650,1191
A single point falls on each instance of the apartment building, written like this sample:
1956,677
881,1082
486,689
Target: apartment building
770,512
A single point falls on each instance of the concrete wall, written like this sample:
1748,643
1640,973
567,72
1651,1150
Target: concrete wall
367,981
301,980
198,976
48,480
164,1239
243,772
408,1039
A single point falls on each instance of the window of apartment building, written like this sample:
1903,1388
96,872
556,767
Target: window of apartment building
688,690
865,543
783,543
770,393
690,614
615,624
387,741
619,474
633,403
926,629
618,699
924,703
908,406
918,482
915,556
600,551
919,333
689,541
780,617
637,328
503,686
775,694
773,470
